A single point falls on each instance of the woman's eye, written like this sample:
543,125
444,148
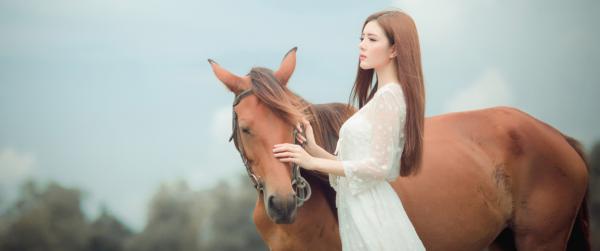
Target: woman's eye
372,40
361,38
246,130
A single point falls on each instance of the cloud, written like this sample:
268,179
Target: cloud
221,124
436,20
15,166
490,89
220,159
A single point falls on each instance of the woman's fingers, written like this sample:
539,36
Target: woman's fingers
285,154
306,123
286,147
286,160
308,127
280,146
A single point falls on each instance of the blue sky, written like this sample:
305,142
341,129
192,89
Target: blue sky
117,96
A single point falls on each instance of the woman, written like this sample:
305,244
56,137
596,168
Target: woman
382,140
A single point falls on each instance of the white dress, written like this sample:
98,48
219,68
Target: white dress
370,213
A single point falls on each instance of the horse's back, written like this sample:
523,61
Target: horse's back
532,151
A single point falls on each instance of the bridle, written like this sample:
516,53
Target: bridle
299,184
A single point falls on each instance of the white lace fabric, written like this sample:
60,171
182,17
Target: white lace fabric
370,145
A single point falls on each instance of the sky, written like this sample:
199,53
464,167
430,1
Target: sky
116,96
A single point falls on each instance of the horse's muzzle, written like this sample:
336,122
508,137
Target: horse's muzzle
282,209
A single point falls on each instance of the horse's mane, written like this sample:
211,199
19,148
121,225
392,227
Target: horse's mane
326,120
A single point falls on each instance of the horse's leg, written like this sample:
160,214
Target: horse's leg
504,242
544,216
549,183
546,231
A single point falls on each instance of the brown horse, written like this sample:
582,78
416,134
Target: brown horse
494,179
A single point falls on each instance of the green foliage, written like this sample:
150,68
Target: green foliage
232,227
50,218
173,223
107,233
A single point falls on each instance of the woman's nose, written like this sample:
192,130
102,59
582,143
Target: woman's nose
361,46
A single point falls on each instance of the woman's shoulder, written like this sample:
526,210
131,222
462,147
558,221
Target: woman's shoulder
385,94
392,87
390,90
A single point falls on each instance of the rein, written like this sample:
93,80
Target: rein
300,186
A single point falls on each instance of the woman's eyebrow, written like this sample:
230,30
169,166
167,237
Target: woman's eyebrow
369,34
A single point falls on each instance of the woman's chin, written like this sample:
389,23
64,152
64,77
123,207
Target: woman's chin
364,66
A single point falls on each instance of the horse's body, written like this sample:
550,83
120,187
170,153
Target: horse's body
489,170
494,179
483,172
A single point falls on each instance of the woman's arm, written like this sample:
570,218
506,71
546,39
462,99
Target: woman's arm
328,166
317,151
295,153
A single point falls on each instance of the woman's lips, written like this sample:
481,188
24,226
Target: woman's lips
362,57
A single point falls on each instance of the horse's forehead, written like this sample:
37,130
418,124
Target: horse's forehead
250,109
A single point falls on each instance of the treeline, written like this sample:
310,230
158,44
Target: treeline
49,217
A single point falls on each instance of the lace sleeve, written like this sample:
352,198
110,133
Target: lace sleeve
386,113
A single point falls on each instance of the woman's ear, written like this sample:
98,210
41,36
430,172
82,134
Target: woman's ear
393,53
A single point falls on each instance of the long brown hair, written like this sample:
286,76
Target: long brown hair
401,32
276,96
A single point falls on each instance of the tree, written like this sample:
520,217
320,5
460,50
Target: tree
107,233
212,219
231,226
173,222
49,219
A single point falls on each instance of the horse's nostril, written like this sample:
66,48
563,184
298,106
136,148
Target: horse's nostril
279,205
270,201
281,209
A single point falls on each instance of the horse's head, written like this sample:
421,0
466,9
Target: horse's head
265,114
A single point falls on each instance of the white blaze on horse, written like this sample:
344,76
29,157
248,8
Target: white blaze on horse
495,178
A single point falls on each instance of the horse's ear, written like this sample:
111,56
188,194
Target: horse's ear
232,82
287,66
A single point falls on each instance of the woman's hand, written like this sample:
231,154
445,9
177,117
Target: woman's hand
307,142
294,153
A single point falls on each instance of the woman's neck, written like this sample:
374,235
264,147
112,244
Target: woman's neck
387,74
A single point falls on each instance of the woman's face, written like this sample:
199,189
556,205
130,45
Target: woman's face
375,49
